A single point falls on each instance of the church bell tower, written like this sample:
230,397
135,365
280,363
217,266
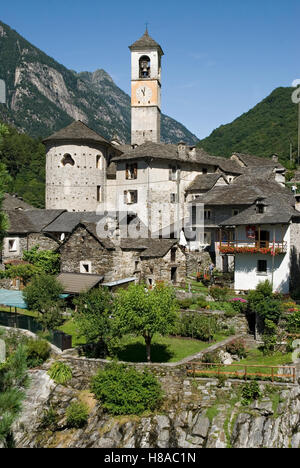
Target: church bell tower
146,57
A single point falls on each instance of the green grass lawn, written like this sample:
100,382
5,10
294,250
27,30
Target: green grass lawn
163,349
70,329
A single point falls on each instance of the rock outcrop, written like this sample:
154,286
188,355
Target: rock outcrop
199,415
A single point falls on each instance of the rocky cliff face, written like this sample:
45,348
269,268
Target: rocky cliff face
44,96
196,414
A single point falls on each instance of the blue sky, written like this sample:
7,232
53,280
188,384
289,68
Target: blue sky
221,56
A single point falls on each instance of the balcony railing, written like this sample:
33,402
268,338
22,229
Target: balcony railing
248,246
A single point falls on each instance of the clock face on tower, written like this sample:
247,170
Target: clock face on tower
144,94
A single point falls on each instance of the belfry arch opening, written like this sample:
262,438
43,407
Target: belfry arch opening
145,67
67,160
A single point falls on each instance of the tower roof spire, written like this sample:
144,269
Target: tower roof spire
146,42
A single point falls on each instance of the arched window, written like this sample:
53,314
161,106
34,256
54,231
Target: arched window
145,68
67,159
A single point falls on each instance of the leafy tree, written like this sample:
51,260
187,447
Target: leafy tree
43,296
124,390
264,303
92,317
145,312
23,271
46,261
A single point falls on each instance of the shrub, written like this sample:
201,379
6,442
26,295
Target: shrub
198,326
219,294
212,357
201,302
250,392
123,390
60,372
49,419
263,302
227,308
239,304
237,347
77,414
37,352
185,303
293,322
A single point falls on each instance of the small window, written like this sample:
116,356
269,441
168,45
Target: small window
131,171
173,198
207,214
85,267
173,255
67,160
235,212
12,245
136,265
262,266
260,209
172,173
130,197
204,170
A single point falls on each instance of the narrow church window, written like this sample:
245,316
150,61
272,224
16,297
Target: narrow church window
172,172
99,193
145,67
100,162
67,160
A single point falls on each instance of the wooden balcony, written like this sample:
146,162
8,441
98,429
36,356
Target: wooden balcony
247,246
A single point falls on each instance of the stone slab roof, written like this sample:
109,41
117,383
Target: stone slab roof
13,202
205,182
30,221
254,161
171,152
277,211
67,222
77,131
76,283
149,247
245,190
146,43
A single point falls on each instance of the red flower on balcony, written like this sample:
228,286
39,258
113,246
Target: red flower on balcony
263,250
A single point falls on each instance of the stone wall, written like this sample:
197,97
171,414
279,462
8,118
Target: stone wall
82,246
197,261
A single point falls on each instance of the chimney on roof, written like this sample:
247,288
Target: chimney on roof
181,149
